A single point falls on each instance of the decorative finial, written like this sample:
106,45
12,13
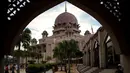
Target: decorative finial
65,7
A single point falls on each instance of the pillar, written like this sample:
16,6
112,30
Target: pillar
87,59
113,54
125,62
2,64
92,57
102,55
84,59
91,53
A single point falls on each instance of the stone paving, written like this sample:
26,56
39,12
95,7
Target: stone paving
108,71
23,71
73,70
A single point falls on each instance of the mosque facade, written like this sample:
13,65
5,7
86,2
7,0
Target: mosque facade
97,48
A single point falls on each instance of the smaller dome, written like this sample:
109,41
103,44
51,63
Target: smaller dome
66,17
45,33
87,32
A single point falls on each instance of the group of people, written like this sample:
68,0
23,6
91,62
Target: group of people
119,69
11,68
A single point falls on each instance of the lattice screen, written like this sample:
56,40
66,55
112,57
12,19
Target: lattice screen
14,6
113,6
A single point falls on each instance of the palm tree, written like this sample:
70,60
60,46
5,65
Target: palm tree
17,54
24,38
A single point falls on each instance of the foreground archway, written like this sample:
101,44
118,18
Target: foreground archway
94,8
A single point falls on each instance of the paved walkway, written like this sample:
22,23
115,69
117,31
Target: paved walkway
73,70
23,71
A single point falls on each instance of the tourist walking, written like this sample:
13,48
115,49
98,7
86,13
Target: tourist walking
13,68
6,69
119,69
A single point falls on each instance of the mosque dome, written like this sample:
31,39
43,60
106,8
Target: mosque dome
66,17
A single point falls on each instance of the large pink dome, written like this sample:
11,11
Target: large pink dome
66,17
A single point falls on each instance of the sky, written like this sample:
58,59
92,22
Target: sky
46,20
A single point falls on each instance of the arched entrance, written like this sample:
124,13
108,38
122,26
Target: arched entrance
93,7
35,8
112,59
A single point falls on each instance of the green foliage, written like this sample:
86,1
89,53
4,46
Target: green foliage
48,58
31,61
79,54
65,49
18,53
43,62
36,68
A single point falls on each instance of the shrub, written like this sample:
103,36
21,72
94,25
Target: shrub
36,68
31,61
43,62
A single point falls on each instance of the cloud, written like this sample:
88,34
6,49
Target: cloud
46,20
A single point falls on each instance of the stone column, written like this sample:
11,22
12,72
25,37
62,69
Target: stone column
1,64
92,57
125,62
113,54
102,56
92,54
84,59
87,58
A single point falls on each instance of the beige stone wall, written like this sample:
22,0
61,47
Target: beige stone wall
100,36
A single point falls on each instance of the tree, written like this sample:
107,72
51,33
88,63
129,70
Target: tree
17,54
24,38
78,55
38,55
58,53
71,50
48,58
66,49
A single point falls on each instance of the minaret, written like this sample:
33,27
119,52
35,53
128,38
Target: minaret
92,29
65,7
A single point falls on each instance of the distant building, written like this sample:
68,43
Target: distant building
66,27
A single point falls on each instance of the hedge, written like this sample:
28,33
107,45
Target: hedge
38,68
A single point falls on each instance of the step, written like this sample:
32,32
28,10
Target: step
91,70
81,67
85,69
108,71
